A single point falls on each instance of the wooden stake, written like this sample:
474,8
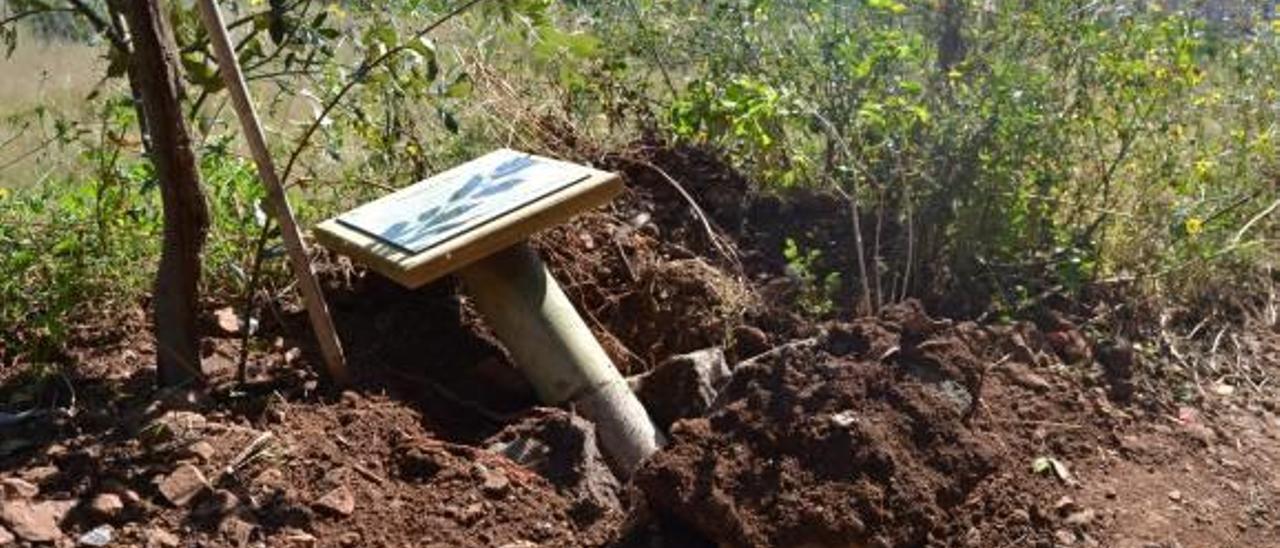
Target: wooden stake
317,310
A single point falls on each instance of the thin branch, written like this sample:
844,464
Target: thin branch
99,24
1235,240
23,15
360,73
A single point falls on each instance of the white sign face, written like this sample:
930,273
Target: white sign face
428,213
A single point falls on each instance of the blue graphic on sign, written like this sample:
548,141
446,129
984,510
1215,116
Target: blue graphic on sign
433,211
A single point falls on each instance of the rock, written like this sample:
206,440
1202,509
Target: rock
561,448
17,488
159,538
106,506
683,386
227,319
35,522
1020,516
236,530
98,536
495,483
175,425
217,365
350,538
1065,505
339,501
1175,495
39,474
269,480
6,538
297,539
202,450
183,484
1081,518
1022,376
1064,537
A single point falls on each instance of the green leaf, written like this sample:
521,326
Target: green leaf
887,5
424,46
461,87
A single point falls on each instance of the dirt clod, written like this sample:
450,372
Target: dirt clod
106,506
683,386
183,485
561,447
339,500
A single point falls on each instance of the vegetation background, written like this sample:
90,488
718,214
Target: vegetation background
989,154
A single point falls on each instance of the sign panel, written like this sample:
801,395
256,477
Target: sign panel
443,207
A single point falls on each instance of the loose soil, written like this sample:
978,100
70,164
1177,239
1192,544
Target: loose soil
904,429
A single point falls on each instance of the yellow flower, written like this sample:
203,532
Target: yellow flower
4,193
1194,225
336,11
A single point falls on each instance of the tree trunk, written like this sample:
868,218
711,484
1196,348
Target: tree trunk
154,69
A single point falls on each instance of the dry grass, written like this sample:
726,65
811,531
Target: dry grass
57,76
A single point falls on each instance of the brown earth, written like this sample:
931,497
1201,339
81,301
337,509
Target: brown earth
898,430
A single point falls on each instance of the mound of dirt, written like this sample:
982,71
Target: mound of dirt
807,447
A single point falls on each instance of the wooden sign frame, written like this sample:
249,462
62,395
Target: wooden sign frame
416,269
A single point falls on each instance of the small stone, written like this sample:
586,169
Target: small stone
1110,493
227,320
495,485
339,501
35,522
236,530
1020,516
1175,495
350,538
1064,505
683,386
1081,518
471,513
183,484
844,419
106,505
98,536
40,474
1021,375
6,538
202,450
159,538
297,539
1064,537
130,497
17,488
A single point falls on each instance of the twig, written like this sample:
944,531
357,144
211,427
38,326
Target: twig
778,350
1244,229
254,448
717,241
360,73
